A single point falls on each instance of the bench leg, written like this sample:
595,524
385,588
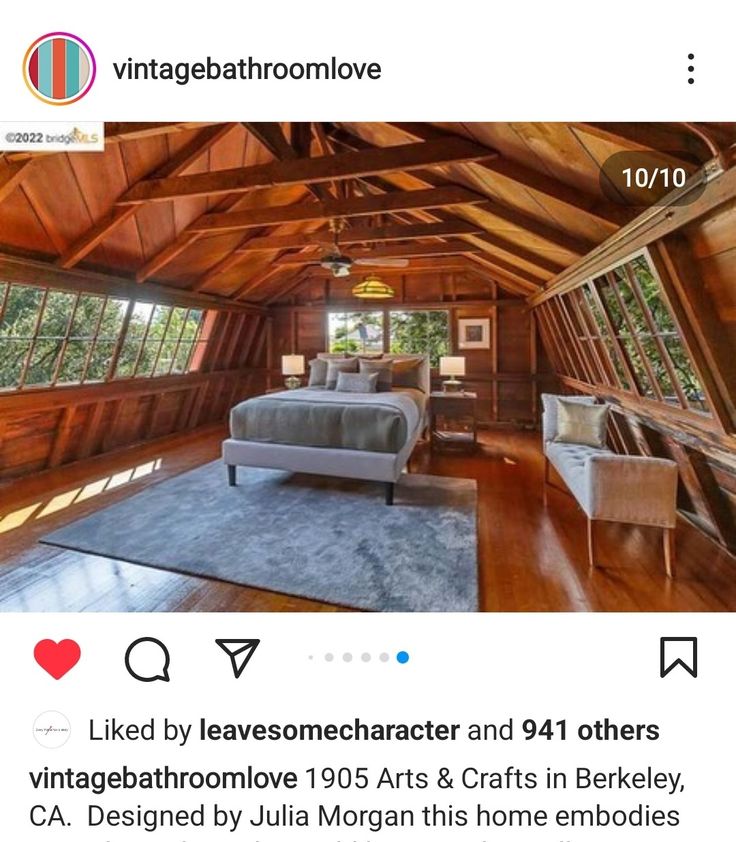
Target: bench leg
231,476
389,486
591,542
668,537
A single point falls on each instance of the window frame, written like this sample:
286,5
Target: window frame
93,337
584,319
386,322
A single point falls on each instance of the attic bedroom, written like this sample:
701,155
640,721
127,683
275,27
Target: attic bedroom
370,366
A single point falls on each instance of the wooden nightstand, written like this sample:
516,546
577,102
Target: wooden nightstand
453,420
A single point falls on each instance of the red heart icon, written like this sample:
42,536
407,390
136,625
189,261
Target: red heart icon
57,658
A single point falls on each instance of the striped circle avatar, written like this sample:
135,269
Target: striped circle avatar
59,68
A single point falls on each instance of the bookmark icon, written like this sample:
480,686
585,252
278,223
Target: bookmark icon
240,651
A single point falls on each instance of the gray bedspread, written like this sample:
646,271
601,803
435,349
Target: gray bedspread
380,422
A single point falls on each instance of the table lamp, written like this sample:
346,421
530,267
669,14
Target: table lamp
452,367
292,367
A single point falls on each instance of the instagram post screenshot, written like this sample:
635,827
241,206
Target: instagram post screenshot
367,422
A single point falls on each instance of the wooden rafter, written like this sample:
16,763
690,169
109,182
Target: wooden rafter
608,213
334,209
547,266
307,170
667,141
362,234
12,174
176,165
272,137
412,250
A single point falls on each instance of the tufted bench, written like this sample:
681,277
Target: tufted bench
610,486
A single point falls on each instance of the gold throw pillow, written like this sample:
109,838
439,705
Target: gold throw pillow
581,423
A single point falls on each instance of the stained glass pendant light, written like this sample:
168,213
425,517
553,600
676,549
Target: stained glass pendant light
372,287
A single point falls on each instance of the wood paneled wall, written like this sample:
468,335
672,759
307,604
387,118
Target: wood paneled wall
45,428
506,377
696,265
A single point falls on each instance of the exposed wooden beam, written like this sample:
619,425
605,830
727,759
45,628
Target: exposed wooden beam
677,209
308,170
214,223
11,175
520,277
416,250
118,214
549,267
362,234
272,137
673,141
608,213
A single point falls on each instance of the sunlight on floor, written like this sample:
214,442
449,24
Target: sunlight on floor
12,520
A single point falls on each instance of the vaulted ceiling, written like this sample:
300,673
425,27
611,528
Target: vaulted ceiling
243,210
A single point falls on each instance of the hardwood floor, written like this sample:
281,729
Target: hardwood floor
531,558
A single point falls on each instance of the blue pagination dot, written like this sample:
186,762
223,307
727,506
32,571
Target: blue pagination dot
402,657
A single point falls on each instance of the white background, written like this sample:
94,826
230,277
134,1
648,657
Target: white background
462,669
460,60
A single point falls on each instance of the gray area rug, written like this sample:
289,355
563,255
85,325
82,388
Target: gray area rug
321,538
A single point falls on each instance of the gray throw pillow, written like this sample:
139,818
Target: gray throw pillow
360,383
406,373
334,367
317,372
384,369
580,423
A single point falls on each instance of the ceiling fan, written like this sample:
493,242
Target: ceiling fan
340,264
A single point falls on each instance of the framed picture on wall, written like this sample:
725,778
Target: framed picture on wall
473,333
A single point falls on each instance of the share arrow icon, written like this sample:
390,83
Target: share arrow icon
240,651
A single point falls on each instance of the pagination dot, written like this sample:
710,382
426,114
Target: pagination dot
402,657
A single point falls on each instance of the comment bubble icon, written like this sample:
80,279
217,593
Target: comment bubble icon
147,659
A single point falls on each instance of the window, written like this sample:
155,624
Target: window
356,333
617,329
50,337
420,332
396,331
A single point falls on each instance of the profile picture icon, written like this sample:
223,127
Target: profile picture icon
59,68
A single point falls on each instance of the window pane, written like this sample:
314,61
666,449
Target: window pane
176,323
636,316
194,322
650,291
72,366
159,321
148,358
356,332
21,311
182,358
420,332
166,357
99,364
87,316
14,352
685,374
43,362
659,368
112,320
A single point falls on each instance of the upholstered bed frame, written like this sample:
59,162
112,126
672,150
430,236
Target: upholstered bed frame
336,462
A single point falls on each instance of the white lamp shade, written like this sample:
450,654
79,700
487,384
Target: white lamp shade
452,366
292,364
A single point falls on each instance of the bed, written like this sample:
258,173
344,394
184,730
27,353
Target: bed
317,431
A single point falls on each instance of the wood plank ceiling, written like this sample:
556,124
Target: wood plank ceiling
242,211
